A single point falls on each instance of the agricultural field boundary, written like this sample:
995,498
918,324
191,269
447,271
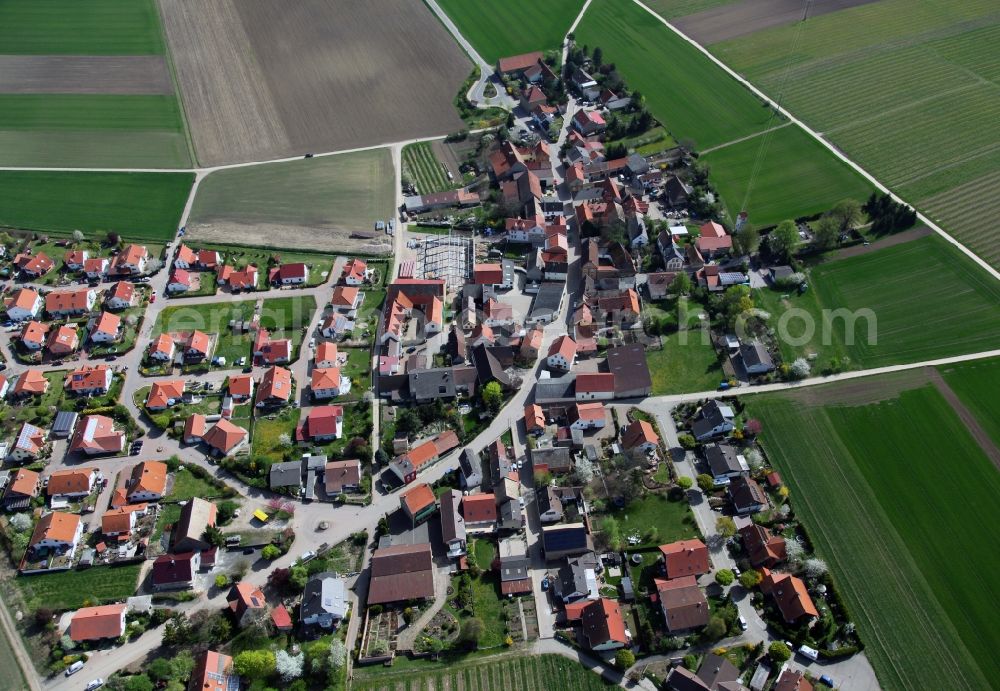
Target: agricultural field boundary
815,135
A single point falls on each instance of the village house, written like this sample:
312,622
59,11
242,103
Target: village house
342,476
33,335
240,387
30,382
33,265
214,672
92,380
223,439
105,329
418,502
22,487
562,354
603,627
595,386
24,303
725,463
685,558
321,424
74,302
162,349
95,435
763,548
92,624
275,387
74,259
247,604
639,435
131,261
407,465
62,341
400,573
70,485
790,595
293,274
324,601
95,268
175,571
180,281
188,533
713,420
148,482
355,272
165,394
327,382
746,495
584,416
30,443
56,533
118,524
453,532
346,298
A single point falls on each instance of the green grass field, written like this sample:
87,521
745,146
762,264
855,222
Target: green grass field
693,98
343,192
13,678
70,589
684,367
59,112
928,301
212,319
905,87
798,177
424,169
139,206
512,27
900,501
977,383
506,673
673,520
68,27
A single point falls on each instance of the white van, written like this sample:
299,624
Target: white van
74,668
811,653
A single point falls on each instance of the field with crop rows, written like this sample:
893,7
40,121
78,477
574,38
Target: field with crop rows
797,177
693,98
502,29
263,79
894,294
900,502
977,383
138,206
311,203
424,169
669,9
523,673
87,85
907,88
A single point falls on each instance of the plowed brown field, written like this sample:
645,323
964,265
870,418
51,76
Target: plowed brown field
263,79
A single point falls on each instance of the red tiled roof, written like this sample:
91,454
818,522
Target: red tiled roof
418,498
685,558
95,623
637,433
275,384
72,481
603,382
602,622
32,382
521,62
479,508
87,378
162,392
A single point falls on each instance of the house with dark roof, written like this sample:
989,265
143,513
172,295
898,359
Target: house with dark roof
713,420
577,578
175,571
557,460
632,377
747,496
287,475
714,674
342,476
453,524
725,463
324,601
400,573
196,516
471,469
682,602
763,548
755,358
567,540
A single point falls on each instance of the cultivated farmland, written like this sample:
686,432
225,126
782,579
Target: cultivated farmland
88,85
424,169
692,97
501,29
138,206
306,204
907,88
264,80
549,672
926,300
976,384
910,553
797,177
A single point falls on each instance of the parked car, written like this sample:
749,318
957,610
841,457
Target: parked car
811,653
743,623
95,684
545,584
74,668
827,680
152,297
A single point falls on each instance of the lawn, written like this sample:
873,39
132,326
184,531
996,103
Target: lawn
424,170
905,87
684,90
512,27
138,206
797,177
71,589
910,552
266,443
358,369
288,317
212,319
926,301
977,383
60,112
333,194
672,520
497,673
357,423
686,363
68,27
187,486
13,679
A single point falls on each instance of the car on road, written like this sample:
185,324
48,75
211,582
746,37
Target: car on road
808,652
312,342
743,623
827,680
152,297
74,668
95,684
545,584
308,156
111,358
307,556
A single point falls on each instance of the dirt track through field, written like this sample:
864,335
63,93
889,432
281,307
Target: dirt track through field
263,79
859,392
883,243
84,74
747,16
982,438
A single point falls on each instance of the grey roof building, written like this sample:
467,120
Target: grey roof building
565,541
547,303
64,424
558,459
471,469
287,474
755,358
556,389
725,462
714,419
324,601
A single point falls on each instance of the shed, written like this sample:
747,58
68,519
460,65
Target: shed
64,424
